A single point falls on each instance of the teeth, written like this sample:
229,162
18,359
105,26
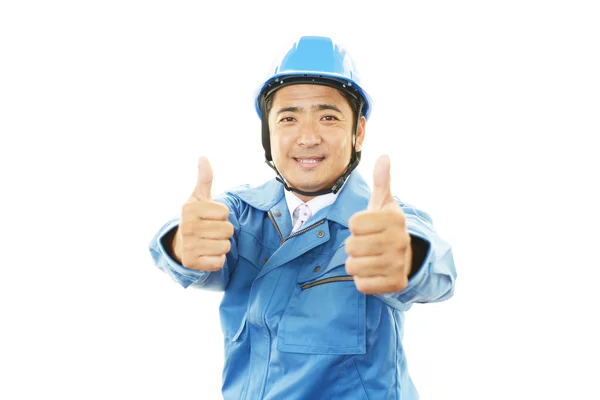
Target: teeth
307,161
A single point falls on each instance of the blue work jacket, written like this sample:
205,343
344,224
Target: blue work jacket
294,324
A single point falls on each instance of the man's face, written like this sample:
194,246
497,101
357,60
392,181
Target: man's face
311,135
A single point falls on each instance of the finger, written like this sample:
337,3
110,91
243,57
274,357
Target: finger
205,211
202,191
205,263
380,284
207,247
367,245
368,265
382,194
207,229
369,222
215,229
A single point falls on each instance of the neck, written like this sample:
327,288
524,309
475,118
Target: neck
304,198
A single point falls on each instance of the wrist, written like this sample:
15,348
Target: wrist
171,244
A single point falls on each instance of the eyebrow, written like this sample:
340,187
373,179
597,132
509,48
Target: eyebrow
318,107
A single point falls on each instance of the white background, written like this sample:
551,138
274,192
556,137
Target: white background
488,110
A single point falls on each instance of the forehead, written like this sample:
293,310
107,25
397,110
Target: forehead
309,93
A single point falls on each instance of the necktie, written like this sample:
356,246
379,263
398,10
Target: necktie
301,214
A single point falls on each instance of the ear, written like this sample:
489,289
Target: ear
360,135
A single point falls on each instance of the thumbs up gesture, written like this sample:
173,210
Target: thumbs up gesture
202,238
379,251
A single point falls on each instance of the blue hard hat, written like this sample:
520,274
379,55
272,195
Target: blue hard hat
318,60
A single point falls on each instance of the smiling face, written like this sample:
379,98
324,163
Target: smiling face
311,135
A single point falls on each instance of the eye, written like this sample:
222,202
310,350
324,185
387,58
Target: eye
287,119
329,118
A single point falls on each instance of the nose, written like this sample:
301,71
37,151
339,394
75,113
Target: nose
308,135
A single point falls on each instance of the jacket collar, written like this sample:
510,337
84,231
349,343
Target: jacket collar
352,198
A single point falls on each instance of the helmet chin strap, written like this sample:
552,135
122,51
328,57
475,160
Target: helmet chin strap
333,189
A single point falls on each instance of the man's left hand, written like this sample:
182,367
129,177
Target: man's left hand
379,249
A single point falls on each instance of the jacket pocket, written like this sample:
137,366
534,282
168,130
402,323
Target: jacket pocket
326,313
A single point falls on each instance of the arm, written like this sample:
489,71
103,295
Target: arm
165,259
433,272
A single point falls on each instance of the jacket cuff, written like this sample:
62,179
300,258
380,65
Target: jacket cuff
417,276
182,275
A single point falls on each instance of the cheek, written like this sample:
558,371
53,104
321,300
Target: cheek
273,139
284,138
278,146
343,146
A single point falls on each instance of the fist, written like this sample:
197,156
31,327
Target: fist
202,238
379,250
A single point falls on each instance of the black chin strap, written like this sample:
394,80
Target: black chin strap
333,189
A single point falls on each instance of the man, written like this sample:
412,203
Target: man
317,270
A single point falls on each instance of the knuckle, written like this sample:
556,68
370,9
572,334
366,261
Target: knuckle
187,208
210,266
201,226
352,223
192,209
351,266
186,228
361,286
192,246
395,218
356,221
399,284
403,242
205,264
216,263
230,230
204,211
188,261
398,221
402,245
350,246
226,246
223,211
185,260
401,218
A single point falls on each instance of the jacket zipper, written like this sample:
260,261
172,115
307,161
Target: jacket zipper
276,227
342,278
301,231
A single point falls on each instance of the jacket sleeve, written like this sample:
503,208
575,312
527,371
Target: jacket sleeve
435,279
215,281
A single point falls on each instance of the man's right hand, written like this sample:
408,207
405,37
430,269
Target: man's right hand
202,238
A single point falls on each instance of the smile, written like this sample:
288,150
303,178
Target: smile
308,162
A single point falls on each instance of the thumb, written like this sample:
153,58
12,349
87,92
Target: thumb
202,191
382,193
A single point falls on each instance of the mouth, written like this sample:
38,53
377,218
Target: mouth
308,162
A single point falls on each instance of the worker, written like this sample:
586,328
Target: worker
317,268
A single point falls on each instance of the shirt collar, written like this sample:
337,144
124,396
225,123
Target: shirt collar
352,197
315,204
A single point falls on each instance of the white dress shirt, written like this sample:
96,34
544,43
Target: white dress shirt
300,211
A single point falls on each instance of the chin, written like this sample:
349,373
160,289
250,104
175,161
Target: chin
308,186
